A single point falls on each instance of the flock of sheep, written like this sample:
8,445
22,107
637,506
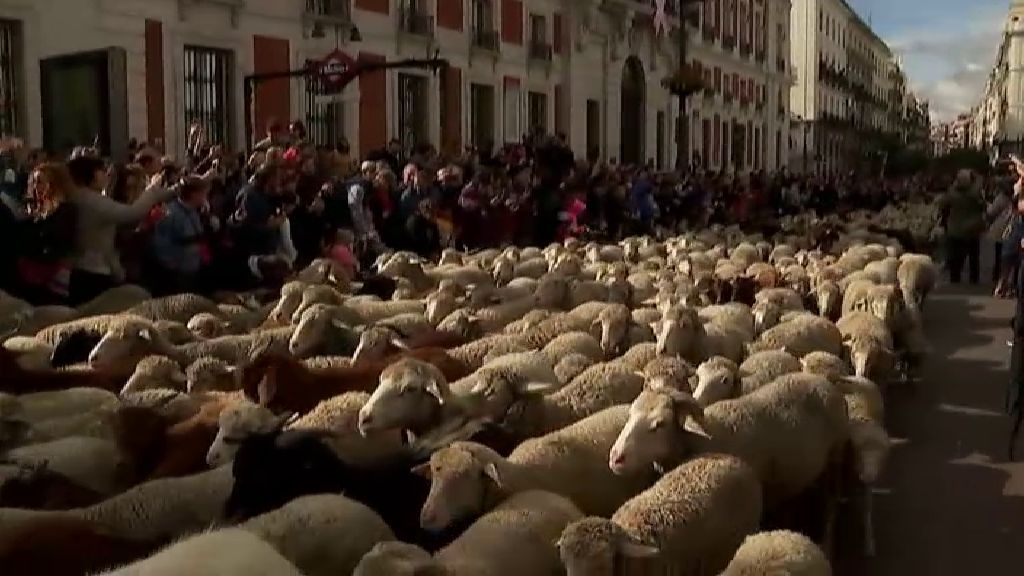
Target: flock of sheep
694,405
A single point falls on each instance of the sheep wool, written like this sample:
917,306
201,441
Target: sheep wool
779,553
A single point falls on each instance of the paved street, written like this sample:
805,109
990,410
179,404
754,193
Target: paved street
950,502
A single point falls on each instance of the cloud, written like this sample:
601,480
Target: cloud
948,66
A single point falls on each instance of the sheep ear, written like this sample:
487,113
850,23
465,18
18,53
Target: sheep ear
537,388
400,344
422,470
146,334
491,471
266,391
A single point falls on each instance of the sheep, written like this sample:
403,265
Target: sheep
338,415
856,296
179,307
63,546
473,354
573,343
787,431
801,336
316,294
868,344
39,488
375,341
370,312
48,405
547,330
825,364
778,553
17,380
690,521
466,477
572,365
154,372
277,467
209,325
302,388
324,271
763,367
114,301
495,318
32,353
886,270
736,316
785,298
916,277
225,552
96,325
291,297
324,330
683,334
323,535
674,370
717,379
90,462
528,321
175,332
517,537
210,375
617,330
638,356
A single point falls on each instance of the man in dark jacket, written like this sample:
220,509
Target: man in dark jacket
965,223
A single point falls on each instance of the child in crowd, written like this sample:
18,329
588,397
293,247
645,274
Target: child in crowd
339,247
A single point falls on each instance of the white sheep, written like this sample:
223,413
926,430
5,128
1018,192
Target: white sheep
789,431
517,537
323,535
801,336
916,276
93,463
573,343
778,553
209,325
690,521
291,297
375,340
211,375
467,478
226,552
29,352
763,367
529,320
824,364
178,308
717,379
154,372
473,354
572,365
323,329
682,334
316,294
868,344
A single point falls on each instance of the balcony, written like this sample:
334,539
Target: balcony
729,42
328,12
486,39
416,23
539,51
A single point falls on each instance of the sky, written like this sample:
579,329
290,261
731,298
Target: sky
947,47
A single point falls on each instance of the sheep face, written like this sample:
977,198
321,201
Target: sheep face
236,423
716,380
552,292
312,329
825,364
830,299
766,316
439,306
459,480
207,326
611,328
408,396
504,271
212,375
122,347
592,546
651,434
374,343
865,354
291,297
394,559
886,303
679,330
154,373
315,295
462,322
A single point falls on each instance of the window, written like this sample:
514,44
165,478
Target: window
483,15
481,114
10,96
538,29
413,127
593,126
208,91
537,110
512,105
325,113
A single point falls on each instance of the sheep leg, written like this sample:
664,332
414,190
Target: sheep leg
869,524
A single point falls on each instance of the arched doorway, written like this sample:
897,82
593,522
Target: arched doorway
632,125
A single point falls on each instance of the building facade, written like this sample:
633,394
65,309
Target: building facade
79,70
850,98
998,119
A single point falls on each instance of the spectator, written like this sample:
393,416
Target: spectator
999,214
964,225
422,230
97,265
180,242
46,237
339,246
277,136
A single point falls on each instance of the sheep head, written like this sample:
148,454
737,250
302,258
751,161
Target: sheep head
680,328
611,328
439,305
236,423
717,379
208,325
461,476
374,343
210,375
408,396
396,559
767,315
153,373
125,345
652,431
596,545
866,354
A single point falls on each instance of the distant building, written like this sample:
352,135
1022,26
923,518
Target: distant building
998,119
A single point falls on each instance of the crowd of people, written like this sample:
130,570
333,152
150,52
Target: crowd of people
220,220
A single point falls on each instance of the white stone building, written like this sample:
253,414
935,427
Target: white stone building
75,70
850,91
998,119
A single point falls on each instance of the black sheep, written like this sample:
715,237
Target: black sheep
272,469
74,348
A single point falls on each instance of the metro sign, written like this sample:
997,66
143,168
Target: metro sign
336,71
